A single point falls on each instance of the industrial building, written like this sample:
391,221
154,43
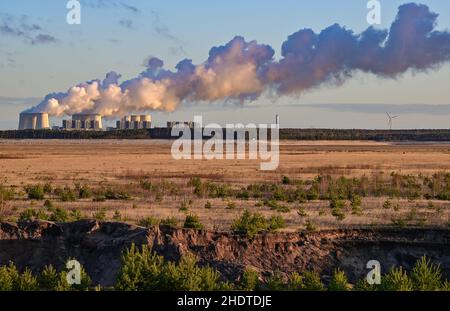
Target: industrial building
84,122
176,124
33,121
135,122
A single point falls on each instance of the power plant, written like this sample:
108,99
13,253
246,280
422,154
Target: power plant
93,122
84,122
33,121
134,122
178,124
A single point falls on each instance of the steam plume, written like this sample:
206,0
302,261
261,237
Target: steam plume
242,70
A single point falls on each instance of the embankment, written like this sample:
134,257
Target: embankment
98,247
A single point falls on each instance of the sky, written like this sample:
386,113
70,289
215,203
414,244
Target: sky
40,53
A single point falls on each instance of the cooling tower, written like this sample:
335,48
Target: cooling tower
135,118
146,118
90,119
33,121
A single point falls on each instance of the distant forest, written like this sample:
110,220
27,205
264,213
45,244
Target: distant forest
289,134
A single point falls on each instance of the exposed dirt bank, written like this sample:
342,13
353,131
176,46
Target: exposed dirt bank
98,247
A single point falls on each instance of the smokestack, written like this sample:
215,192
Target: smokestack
33,121
277,121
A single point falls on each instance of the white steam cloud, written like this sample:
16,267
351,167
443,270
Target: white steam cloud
242,70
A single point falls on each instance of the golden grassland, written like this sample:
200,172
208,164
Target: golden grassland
123,164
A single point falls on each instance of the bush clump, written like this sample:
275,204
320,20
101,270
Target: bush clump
11,279
249,280
111,194
192,222
143,270
253,224
6,194
149,222
35,192
339,281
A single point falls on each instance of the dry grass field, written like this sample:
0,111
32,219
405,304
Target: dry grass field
129,166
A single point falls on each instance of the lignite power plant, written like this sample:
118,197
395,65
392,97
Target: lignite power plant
82,122
93,122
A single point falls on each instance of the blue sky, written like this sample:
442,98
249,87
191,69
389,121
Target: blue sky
113,36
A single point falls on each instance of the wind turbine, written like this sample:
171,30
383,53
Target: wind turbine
390,119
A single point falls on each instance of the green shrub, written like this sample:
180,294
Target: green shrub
399,222
312,194
31,215
276,223
51,280
35,192
6,194
310,226
99,215
148,222
279,194
338,214
355,204
337,204
387,204
426,276
12,280
27,215
84,192
144,270
26,282
302,212
208,205
9,277
249,280
363,285
170,221
146,184
59,215
295,282
48,188
192,222
111,194
283,209
396,280
99,198
85,281
339,281
76,215
117,216
48,280
244,194
231,205
312,282
275,282
337,207
285,180
249,223
195,182
184,207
